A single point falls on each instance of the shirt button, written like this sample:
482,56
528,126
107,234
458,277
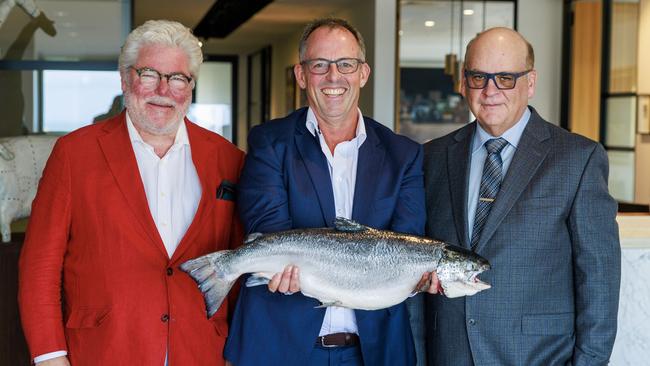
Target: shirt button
471,322
170,271
162,194
164,318
163,224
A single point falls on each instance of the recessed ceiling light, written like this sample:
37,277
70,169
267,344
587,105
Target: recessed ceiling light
61,13
468,12
429,23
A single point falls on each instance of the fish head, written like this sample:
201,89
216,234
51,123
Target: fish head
458,271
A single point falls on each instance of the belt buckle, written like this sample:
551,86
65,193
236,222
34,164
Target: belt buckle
322,343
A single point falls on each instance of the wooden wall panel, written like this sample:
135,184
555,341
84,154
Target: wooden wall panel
643,55
623,50
642,170
585,69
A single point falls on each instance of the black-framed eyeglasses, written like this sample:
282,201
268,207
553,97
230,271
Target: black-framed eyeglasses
502,80
150,79
320,66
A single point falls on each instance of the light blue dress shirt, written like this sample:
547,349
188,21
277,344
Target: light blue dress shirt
478,156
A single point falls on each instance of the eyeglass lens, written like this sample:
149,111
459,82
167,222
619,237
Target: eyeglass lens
503,81
344,65
150,79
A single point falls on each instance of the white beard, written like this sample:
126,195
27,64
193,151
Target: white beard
140,118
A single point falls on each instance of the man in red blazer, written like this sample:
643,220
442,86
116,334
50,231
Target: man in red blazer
121,205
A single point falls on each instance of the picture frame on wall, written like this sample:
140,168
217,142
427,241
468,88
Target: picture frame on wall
296,97
643,114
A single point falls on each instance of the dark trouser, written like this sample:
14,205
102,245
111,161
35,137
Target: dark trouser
336,356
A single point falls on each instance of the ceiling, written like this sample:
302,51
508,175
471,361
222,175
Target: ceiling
274,22
426,44
82,34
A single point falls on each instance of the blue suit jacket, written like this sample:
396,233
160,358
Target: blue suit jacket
552,239
286,184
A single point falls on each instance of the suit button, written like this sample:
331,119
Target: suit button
164,318
170,271
471,322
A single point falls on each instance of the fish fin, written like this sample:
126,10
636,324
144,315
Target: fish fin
343,224
213,283
258,279
252,237
327,304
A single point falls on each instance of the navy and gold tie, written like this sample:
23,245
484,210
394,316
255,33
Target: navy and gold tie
490,184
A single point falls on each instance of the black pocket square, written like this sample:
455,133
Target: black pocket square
227,191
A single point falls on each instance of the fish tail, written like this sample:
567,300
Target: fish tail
208,272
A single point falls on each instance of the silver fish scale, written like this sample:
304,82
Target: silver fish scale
345,260
352,266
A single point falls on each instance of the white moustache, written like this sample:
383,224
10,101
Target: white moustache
167,102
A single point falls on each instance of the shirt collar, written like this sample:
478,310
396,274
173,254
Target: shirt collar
180,139
360,136
512,135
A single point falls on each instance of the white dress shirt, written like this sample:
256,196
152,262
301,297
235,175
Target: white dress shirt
479,154
172,187
171,184
343,174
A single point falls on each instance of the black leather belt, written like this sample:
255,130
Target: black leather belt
338,340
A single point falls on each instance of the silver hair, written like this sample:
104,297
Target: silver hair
330,23
161,33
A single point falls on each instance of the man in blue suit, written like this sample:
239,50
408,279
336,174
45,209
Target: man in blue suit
532,198
304,170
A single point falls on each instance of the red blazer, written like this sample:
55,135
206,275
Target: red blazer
91,233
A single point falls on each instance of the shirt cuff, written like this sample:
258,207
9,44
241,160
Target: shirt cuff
49,356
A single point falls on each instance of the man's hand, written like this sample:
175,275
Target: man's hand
429,283
287,282
58,361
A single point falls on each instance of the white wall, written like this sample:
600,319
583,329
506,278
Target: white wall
540,21
385,62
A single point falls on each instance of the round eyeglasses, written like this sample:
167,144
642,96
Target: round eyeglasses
150,79
502,80
321,66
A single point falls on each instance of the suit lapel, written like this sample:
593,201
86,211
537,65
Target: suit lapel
458,158
117,149
316,164
369,163
531,151
203,157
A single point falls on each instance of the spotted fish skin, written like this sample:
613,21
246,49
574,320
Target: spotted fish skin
350,265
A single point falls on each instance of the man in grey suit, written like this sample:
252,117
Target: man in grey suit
532,198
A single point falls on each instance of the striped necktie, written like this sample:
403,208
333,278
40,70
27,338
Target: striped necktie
490,184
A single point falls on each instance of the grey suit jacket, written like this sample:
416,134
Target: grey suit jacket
552,240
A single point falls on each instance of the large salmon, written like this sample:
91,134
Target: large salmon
350,265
